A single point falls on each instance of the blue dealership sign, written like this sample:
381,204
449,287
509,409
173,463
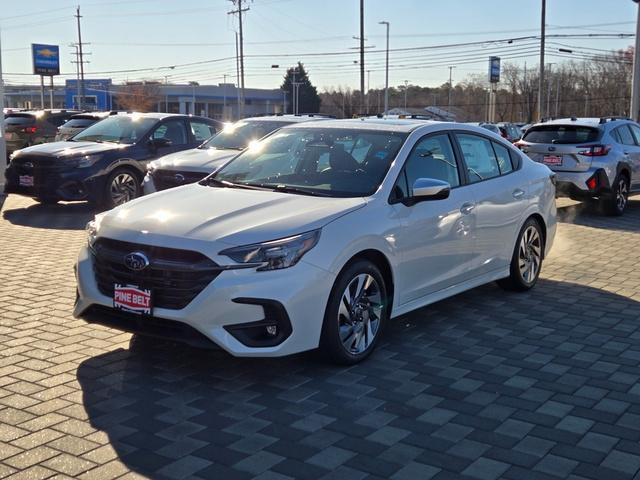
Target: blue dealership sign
46,59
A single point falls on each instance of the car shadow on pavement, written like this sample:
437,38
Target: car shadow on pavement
60,216
589,215
469,371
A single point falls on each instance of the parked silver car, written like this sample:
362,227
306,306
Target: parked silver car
594,158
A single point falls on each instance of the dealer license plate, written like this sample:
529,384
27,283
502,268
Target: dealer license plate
25,180
132,298
552,160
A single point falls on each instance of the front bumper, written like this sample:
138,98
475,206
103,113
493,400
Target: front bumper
58,183
574,184
235,300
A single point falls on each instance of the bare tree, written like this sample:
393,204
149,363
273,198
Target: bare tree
138,97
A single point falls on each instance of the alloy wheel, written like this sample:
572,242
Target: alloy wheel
622,194
123,188
359,313
530,254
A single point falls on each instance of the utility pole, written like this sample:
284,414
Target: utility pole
238,79
361,55
81,89
635,84
239,11
386,72
542,39
450,85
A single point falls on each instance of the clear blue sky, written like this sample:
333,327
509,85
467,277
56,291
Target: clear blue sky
152,34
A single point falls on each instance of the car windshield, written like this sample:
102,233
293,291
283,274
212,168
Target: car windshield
567,134
314,161
117,129
237,136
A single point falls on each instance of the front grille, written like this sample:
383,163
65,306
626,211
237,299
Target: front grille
175,277
164,179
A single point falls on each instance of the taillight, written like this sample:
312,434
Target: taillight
594,150
592,183
30,129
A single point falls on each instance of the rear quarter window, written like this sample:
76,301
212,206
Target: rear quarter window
567,134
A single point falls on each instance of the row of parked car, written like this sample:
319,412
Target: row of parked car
279,234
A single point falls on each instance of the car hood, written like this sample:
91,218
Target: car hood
228,216
71,149
196,159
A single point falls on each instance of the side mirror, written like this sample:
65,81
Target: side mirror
157,143
429,189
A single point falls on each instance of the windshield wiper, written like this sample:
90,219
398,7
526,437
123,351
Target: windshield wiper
223,183
300,191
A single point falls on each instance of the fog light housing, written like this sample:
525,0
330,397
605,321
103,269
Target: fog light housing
272,330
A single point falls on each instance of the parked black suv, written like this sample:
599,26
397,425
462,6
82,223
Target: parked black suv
23,129
106,162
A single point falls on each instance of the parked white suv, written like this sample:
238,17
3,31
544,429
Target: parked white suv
190,166
318,235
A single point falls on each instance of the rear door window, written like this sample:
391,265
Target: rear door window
202,131
479,157
561,134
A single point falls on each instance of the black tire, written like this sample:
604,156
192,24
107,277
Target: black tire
366,319
615,204
519,280
128,179
47,201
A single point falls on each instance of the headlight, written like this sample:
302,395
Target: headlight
92,232
82,162
274,255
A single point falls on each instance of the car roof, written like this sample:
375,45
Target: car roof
382,124
289,118
594,122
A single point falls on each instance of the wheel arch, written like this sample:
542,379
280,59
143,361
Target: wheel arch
543,226
381,261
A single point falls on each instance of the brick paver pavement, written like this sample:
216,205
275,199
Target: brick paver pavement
485,385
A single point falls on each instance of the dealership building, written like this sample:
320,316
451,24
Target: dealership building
214,101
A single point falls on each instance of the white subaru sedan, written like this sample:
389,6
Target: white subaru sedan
318,235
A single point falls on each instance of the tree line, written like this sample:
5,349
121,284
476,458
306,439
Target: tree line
599,85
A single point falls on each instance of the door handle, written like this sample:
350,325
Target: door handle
467,208
517,193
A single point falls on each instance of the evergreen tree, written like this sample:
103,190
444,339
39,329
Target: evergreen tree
308,98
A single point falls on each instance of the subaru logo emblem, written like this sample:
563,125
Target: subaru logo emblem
552,149
179,177
136,261
27,165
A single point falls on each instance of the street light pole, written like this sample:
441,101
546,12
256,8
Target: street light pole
634,111
542,39
386,72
